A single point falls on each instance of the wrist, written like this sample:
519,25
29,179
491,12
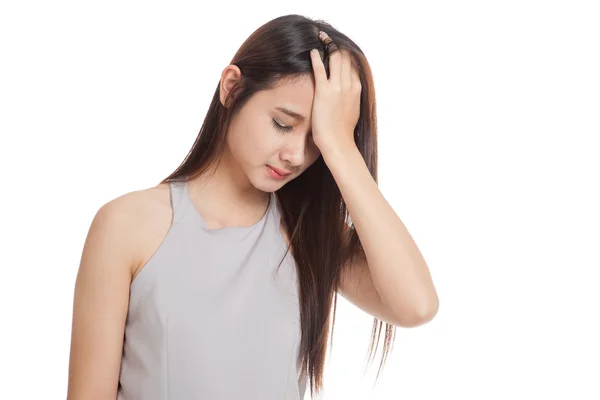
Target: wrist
337,150
341,157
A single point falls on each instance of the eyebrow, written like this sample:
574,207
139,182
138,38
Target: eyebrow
291,113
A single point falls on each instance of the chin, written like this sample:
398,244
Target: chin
272,186
267,184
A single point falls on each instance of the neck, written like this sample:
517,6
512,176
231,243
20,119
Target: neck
226,187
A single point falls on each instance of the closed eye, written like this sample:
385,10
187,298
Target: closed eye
279,127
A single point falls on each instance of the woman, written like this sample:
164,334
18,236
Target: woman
218,282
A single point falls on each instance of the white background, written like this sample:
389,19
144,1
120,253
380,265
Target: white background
489,125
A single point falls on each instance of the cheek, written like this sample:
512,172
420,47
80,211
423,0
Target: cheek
261,147
248,145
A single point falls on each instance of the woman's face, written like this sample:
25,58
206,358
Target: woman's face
263,137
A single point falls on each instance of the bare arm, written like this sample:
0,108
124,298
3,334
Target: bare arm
398,282
101,300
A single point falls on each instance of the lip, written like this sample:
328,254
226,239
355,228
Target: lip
280,171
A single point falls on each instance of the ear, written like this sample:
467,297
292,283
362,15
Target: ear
229,78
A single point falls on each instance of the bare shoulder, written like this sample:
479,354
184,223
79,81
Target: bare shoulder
155,219
143,218
117,240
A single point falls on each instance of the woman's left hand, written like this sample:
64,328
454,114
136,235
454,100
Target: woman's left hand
336,104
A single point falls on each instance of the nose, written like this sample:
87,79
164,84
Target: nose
294,153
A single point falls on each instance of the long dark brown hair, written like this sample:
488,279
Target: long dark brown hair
322,237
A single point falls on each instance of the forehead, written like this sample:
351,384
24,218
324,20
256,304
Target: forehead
295,94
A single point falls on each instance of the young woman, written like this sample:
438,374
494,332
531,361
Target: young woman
218,282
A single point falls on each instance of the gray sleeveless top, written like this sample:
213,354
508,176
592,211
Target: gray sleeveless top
211,316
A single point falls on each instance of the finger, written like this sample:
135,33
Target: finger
335,65
318,67
346,70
